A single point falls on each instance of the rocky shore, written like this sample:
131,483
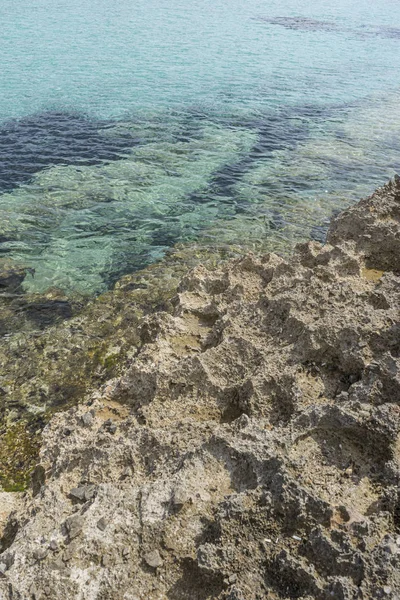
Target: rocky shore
249,446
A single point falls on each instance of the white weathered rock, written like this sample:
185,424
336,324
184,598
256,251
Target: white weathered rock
153,559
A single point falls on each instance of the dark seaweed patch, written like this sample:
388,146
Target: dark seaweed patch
61,138
391,33
273,133
300,23
307,24
319,232
4,241
277,222
45,312
42,140
386,33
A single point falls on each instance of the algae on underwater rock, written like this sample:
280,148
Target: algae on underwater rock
48,363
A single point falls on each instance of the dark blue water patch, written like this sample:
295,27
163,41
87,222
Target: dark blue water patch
318,233
299,23
307,24
273,133
4,239
162,233
390,33
96,141
130,262
276,221
42,140
387,33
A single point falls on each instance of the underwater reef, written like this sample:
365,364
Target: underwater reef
232,433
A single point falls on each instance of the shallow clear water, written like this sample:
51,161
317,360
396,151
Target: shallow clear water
128,127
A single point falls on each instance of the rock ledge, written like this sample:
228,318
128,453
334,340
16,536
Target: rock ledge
250,450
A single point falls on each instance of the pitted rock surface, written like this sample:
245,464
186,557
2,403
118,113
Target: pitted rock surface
254,449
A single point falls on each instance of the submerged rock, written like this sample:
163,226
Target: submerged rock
259,423
11,276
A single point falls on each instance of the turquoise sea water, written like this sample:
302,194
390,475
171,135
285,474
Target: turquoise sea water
129,126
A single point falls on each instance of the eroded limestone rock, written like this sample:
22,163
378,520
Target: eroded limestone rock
255,452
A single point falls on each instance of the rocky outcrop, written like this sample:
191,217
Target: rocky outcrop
249,450
56,349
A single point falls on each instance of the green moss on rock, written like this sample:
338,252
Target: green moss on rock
46,367
18,455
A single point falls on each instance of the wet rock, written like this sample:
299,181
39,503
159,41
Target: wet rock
11,276
45,312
